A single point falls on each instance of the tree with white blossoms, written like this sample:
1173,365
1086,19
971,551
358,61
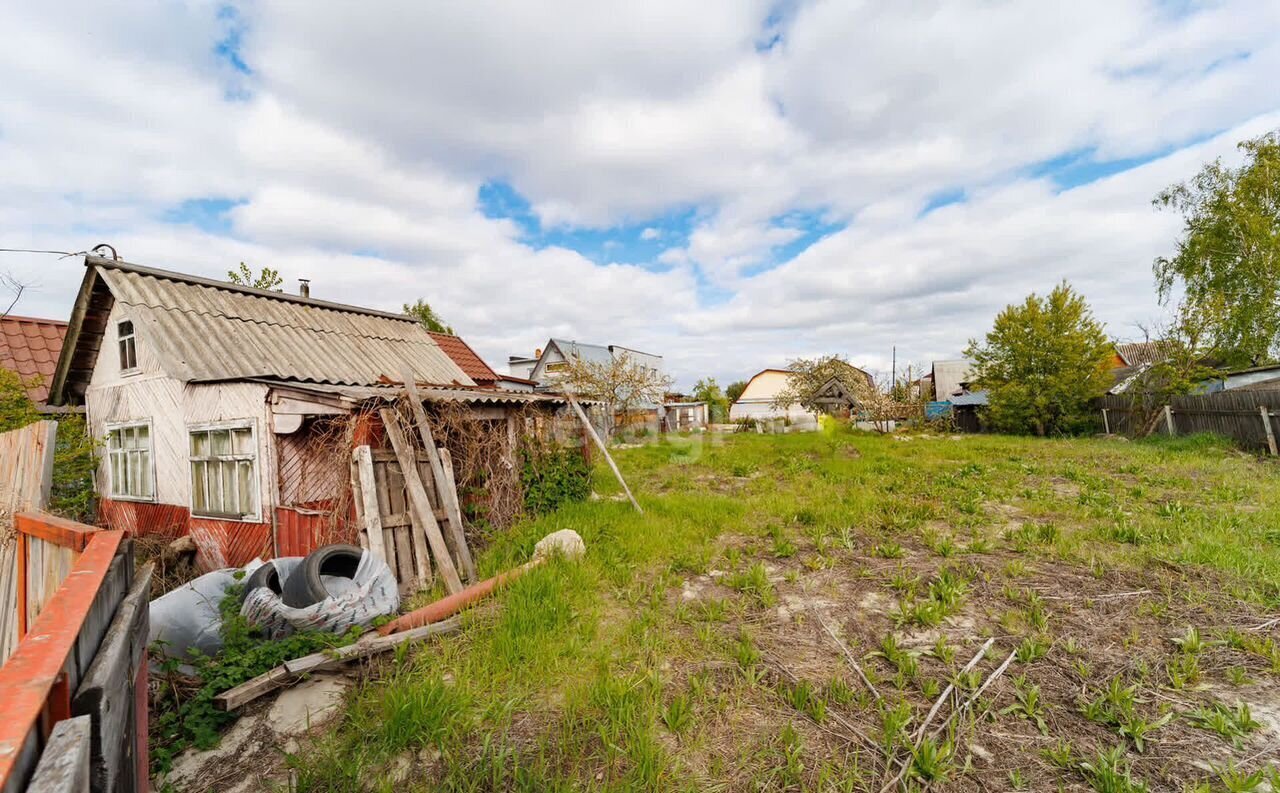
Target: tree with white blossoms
622,384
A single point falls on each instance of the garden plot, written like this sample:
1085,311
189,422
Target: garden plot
789,611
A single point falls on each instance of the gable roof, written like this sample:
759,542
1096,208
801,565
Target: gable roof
202,330
466,358
949,377
591,353
29,348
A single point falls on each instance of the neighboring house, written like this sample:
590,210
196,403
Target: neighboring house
1138,353
1256,378
521,366
951,378
204,392
29,348
685,416
558,353
470,362
757,400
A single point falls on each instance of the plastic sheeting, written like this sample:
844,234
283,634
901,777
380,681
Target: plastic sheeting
358,601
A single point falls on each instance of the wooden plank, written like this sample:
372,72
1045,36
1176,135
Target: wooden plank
290,671
573,403
396,539
367,502
1271,436
420,507
455,512
96,622
106,694
29,675
446,491
64,766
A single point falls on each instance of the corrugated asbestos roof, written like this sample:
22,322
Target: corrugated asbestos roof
428,394
1139,352
29,347
592,353
204,330
466,358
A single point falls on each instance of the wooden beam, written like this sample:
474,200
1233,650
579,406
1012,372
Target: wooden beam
582,416
291,671
447,493
64,765
419,504
367,503
1271,435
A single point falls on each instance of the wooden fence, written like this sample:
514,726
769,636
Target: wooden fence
26,474
83,654
1248,417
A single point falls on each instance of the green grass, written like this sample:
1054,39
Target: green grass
597,675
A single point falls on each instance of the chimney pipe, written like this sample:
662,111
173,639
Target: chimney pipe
304,287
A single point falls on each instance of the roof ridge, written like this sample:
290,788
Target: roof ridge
227,286
268,323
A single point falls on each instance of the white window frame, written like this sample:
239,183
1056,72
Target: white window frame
255,479
132,340
115,426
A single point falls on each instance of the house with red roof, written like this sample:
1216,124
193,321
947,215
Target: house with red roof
29,347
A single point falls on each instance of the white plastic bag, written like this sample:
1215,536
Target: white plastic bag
369,594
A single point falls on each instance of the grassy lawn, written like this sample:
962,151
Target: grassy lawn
701,645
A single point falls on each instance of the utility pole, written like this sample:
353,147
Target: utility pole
893,381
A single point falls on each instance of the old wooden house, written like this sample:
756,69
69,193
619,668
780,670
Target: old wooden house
218,404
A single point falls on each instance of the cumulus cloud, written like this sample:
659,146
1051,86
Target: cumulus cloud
348,145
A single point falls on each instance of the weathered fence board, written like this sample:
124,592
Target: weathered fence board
64,767
26,474
107,694
1235,414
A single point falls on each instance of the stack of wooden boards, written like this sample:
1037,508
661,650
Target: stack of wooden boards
406,503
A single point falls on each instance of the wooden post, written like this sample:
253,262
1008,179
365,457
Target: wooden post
1271,436
603,449
1106,425
419,505
64,765
448,495
1168,420
367,503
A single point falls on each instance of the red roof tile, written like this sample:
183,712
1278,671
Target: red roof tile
30,347
466,358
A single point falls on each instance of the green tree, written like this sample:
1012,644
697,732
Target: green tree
734,390
708,390
424,313
1042,364
1227,262
74,452
266,279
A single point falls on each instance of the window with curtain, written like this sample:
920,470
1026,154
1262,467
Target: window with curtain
224,466
129,462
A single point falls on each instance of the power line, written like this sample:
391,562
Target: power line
33,250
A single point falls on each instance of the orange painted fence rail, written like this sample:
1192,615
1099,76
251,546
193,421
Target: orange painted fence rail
83,618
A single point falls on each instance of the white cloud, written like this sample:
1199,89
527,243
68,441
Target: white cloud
358,142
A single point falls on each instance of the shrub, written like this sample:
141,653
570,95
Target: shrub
552,475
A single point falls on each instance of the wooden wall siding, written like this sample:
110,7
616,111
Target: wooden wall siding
229,543
309,469
142,519
300,530
26,470
1234,414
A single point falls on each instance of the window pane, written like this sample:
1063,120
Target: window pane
220,441
113,439
243,441
144,464
199,444
199,496
132,353
135,473
244,469
126,327
116,489
226,477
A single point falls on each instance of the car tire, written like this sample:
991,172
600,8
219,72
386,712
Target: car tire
265,576
305,587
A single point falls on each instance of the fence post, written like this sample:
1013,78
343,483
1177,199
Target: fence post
1168,420
1271,436
1106,425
